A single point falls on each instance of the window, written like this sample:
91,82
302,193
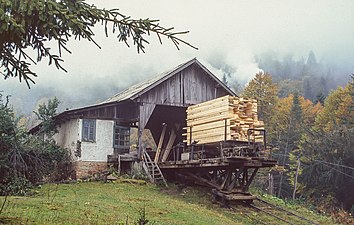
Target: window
121,136
88,130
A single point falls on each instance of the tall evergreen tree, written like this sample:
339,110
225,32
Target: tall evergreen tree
320,98
311,59
308,90
292,139
224,80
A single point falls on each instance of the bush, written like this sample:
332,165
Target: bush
15,185
26,159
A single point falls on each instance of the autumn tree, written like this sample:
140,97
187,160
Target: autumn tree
262,88
31,25
290,136
291,117
338,109
328,151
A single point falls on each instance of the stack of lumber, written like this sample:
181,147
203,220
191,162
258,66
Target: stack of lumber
224,118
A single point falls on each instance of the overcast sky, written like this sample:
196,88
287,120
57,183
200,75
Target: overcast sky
230,32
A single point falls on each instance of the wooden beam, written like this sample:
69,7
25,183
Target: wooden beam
158,151
202,180
226,179
145,111
249,181
170,142
234,181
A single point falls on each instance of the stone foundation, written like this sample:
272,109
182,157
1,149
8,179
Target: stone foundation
88,168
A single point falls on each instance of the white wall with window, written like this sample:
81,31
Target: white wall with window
96,138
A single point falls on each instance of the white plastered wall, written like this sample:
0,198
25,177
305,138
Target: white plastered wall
103,146
70,133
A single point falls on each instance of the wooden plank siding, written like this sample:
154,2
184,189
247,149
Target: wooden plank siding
188,87
124,111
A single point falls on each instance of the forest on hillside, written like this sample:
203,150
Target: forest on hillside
306,75
312,140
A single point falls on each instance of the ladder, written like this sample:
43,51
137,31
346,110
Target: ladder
152,170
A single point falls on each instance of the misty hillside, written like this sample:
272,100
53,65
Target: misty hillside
307,76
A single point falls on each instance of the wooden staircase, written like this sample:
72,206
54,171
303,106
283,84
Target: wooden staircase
152,170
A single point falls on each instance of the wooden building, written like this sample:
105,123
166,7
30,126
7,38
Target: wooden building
94,132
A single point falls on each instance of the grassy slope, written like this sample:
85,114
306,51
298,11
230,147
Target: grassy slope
113,203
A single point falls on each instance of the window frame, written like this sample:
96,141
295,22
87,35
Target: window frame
125,137
86,135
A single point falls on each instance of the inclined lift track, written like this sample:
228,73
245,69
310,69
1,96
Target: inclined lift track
228,167
269,210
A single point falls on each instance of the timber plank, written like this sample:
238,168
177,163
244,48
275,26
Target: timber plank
209,121
211,125
217,100
209,106
217,110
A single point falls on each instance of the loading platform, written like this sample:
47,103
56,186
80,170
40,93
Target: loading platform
228,177
220,163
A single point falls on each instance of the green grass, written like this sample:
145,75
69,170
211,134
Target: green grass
114,203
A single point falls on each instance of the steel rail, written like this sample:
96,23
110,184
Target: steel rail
252,218
289,212
270,214
259,221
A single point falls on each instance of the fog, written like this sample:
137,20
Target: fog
229,36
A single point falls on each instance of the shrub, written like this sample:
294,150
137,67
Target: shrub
15,185
26,159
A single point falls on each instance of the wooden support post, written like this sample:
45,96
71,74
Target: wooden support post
249,181
191,156
119,170
190,135
202,180
244,177
271,184
225,183
236,178
140,142
158,151
221,150
297,174
170,142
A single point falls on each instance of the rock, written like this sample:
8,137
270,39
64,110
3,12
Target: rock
111,178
